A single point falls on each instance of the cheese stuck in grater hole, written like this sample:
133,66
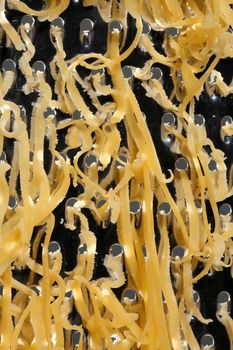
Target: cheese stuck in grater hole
87,260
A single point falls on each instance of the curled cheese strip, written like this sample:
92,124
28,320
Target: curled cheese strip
9,29
173,314
25,60
224,317
52,11
188,334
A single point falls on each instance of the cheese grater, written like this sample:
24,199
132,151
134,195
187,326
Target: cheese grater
84,31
